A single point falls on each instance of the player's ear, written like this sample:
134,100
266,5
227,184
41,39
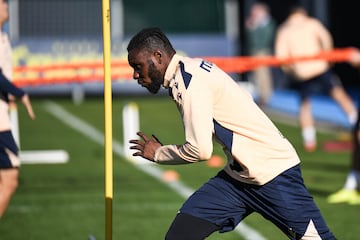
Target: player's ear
158,56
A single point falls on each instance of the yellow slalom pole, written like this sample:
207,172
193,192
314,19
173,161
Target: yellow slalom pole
108,119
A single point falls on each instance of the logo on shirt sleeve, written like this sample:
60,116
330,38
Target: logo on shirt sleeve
206,65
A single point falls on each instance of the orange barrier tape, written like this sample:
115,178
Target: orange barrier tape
69,72
244,64
93,71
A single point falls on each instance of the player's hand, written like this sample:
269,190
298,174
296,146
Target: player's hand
146,147
26,101
355,58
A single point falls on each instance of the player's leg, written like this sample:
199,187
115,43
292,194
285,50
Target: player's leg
263,81
8,185
349,193
189,227
307,125
355,163
216,206
306,119
354,175
342,98
9,169
288,204
334,87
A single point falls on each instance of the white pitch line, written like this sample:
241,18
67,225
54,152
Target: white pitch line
92,133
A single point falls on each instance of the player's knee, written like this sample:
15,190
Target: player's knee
10,187
13,185
9,183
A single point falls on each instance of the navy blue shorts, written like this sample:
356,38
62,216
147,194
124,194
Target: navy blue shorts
284,201
321,84
8,151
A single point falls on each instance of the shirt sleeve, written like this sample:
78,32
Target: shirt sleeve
9,88
198,125
198,120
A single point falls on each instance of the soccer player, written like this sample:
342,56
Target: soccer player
262,173
9,161
302,35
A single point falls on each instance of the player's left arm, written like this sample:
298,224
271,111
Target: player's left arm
324,36
13,91
9,88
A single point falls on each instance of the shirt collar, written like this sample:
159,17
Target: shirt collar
171,69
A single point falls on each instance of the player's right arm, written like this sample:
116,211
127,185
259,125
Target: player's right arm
282,49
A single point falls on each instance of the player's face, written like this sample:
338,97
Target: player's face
146,72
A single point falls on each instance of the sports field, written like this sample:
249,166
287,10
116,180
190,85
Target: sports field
66,201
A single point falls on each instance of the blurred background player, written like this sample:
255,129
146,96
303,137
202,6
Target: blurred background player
302,35
260,31
350,191
9,160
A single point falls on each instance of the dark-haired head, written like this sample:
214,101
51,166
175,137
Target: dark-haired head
151,39
296,7
149,54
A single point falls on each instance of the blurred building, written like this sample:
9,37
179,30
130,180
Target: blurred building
82,19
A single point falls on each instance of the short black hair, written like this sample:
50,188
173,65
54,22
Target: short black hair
151,39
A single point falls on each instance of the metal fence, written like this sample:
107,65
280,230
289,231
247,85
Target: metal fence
82,18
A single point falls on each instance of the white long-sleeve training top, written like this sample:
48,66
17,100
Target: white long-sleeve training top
211,104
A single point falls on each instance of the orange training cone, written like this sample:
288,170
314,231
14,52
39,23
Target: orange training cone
215,161
170,176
